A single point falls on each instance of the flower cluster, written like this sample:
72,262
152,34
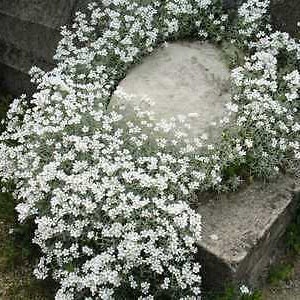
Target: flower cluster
253,15
109,190
266,89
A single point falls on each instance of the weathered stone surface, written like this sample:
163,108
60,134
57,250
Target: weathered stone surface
32,38
29,33
15,64
52,14
19,59
183,78
241,231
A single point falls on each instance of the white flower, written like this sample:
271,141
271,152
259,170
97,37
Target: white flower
214,237
245,290
249,143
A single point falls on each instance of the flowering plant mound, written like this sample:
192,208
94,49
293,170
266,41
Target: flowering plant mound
109,192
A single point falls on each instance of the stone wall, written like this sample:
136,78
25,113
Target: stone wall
29,32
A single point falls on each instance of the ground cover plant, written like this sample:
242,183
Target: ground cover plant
110,193
17,254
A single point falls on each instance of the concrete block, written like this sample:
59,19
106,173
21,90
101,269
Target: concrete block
242,230
20,59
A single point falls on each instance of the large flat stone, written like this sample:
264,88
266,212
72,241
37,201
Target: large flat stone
242,230
183,78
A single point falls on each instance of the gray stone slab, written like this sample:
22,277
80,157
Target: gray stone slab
182,78
22,45
242,230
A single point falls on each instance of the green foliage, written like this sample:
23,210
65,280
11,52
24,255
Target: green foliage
255,296
17,253
17,257
26,291
17,246
7,207
293,237
229,294
232,55
232,292
281,272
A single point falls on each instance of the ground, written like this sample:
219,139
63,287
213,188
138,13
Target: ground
284,277
17,258
286,288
